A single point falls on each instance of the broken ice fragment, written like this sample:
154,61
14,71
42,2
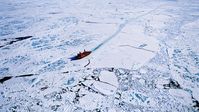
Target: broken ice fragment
107,83
70,81
141,97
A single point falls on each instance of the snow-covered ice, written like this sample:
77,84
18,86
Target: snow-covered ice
145,55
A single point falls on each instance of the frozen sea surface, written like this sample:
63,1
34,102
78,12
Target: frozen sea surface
145,55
